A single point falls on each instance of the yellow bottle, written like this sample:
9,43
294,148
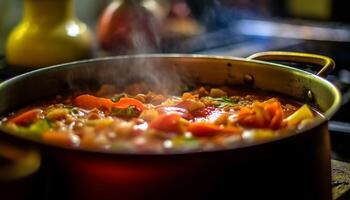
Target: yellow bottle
48,34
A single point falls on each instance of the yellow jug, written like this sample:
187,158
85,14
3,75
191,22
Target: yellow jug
48,34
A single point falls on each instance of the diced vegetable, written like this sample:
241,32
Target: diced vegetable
40,126
202,129
203,112
304,112
149,114
258,134
65,139
221,102
99,122
274,109
57,113
261,115
126,102
89,102
128,112
167,123
27,117
222,119
170,109
189,96
34,131
76,112
190,105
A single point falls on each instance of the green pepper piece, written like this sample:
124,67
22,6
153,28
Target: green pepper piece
128,112
34,131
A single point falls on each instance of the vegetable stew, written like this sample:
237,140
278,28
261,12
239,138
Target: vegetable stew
201,119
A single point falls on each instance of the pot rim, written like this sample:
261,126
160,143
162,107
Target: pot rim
65,66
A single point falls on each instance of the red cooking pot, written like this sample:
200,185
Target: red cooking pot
294,166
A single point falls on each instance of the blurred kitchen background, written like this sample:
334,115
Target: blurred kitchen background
230,27
221,27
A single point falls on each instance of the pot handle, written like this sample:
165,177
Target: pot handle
18,159
325,63
20,162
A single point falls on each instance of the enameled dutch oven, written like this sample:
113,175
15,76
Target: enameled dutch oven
295,166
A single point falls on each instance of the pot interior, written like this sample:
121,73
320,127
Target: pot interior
170,72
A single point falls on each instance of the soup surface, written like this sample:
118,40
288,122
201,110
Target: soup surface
135,120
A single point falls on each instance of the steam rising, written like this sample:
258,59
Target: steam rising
122,71
142,34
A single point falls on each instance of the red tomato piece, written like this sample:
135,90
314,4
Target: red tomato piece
167,123
203,112
175,110
27,117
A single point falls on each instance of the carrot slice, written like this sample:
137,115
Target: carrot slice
27,117
262,115
89,102
202,129
125,102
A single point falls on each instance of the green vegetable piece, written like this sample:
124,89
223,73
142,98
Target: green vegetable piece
34,131
40,126
223,101
74,111
128,112
117,97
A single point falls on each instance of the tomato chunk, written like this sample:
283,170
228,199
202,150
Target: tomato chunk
175,110
167,123
27,117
